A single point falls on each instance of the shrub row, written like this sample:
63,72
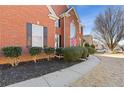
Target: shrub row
69,53
13,53
75,53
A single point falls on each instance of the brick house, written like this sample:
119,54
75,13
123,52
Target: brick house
88,39
39,25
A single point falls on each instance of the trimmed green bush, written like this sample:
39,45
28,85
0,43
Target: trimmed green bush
85,53
12,51
91,50
59,52
93,46
49,51
72,53
34,52
13,54
86,45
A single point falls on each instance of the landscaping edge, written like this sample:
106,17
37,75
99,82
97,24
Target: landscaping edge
62,77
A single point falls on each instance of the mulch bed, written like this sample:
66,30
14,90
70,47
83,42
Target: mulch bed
27,70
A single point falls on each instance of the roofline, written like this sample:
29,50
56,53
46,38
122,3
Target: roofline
65,13
52,11
74,11
87,35
81,24
67,6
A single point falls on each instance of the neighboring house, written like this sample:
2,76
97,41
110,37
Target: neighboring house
88,39
40,26
98,44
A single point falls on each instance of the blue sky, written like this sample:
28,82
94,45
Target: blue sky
87,15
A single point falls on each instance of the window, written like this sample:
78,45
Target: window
57,23
72,34
57,41
81,29
37,35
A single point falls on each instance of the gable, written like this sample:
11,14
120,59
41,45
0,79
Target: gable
72,12
59,9
52,13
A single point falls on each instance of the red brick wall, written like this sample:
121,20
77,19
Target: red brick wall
13,21
59,9
68,21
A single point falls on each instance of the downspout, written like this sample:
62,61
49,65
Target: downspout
0,41
64,33
54,35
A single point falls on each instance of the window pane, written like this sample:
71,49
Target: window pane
59,23
37,35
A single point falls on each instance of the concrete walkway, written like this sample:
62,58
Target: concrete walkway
61,78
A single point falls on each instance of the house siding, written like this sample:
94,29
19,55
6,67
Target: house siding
13,20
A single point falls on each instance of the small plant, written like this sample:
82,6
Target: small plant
59,52
34,52
72,53
86,45
12,53
93,46
49,51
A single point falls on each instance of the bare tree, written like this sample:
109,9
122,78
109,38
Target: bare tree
109,27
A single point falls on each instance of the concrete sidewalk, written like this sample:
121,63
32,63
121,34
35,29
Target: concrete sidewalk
62,77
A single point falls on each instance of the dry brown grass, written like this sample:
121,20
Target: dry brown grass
110,73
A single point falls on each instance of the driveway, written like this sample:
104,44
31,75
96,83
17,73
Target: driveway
109,73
